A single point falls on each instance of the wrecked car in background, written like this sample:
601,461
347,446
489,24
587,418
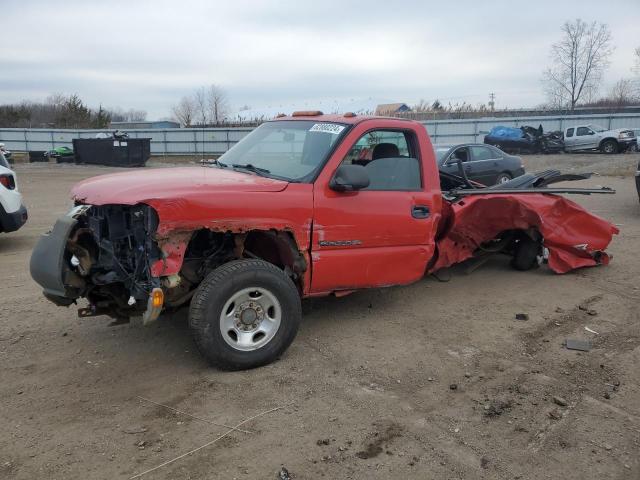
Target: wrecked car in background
525,140
595,137
293,211
484,164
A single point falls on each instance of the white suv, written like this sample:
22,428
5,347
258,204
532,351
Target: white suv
13,213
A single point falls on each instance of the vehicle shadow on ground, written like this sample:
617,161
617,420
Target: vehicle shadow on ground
13,243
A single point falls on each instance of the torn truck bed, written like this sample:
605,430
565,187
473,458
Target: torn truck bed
574,237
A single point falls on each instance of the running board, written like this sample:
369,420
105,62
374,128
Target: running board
516,191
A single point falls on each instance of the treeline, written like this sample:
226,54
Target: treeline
63,111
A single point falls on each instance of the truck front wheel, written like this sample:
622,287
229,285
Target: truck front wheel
245,314
609,146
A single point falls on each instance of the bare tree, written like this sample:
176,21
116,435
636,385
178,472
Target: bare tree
622,93
185,111
578,61
217,103
201,104
134,115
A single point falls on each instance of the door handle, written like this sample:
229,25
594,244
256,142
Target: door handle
420,211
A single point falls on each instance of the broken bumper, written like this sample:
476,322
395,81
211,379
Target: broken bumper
101,253
49,267
626,144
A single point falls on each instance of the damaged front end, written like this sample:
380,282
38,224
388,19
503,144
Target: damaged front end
102,253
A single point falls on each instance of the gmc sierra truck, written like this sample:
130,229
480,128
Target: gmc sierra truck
303,206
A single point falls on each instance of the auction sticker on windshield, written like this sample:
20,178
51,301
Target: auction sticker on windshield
327,128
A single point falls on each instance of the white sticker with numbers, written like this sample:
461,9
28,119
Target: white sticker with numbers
327,128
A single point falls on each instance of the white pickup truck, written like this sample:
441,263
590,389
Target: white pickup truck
594,137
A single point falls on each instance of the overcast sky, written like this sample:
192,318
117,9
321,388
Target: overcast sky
147,54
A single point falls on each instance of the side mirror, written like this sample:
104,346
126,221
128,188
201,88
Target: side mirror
349,178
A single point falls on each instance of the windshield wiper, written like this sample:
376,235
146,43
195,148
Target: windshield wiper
214,162
252,168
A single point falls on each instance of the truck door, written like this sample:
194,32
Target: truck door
384,234
585,138
484,164
569,138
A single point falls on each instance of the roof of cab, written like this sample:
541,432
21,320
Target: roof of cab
337,118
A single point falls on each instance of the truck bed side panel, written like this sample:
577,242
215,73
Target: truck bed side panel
574,237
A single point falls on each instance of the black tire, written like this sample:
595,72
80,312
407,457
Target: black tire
525,254
211,297
609,146
503,177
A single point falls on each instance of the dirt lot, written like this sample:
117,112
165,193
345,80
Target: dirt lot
432,381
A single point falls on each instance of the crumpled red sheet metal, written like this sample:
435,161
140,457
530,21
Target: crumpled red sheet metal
575,238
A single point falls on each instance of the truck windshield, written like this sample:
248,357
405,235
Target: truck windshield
293,150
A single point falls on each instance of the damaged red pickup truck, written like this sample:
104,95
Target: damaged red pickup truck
306,205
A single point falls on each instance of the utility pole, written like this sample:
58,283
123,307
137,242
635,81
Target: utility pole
492,102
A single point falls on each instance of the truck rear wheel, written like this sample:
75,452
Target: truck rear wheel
525,255
245,314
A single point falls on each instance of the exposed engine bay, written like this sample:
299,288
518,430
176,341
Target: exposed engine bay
109,251
107,258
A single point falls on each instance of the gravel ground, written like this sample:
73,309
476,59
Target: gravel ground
431,381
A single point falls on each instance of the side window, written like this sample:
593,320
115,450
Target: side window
459,153
482,153
570,132
388,143
390,158
582,131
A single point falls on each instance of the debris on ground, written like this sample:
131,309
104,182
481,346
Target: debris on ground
496,407
135,430
522,316
484,462
590,311
560,401
555,414
382,436
284,474
574,344
591,331
453,386
323,441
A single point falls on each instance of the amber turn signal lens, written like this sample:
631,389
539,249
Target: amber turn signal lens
157,298
306,113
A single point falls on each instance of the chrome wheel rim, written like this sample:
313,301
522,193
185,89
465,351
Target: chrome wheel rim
250,319
608,148
503,179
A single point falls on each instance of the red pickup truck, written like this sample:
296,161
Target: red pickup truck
303,206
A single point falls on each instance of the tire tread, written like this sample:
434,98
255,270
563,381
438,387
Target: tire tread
207,292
